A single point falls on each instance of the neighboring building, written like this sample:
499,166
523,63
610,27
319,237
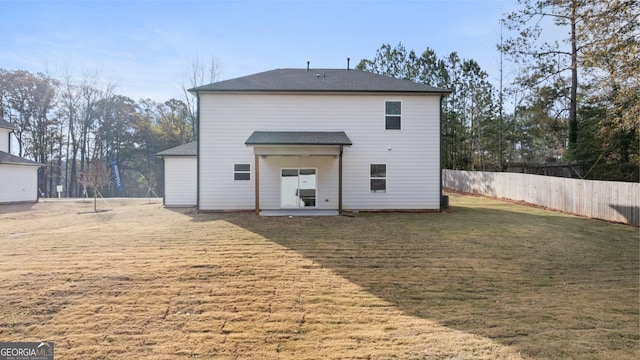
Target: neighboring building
18,176
322,139
180,175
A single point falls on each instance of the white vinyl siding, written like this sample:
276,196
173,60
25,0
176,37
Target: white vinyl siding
180,181
18,183
4,140
227,120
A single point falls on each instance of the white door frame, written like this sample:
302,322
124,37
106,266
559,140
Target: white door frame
295,189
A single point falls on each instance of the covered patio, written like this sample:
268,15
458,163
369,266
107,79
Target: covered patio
296,144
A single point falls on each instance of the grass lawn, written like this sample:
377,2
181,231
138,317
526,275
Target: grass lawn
488,280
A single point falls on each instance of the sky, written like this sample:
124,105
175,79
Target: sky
146,47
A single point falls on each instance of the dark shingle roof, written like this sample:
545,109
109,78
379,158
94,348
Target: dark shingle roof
319,80
298,138
6,125
190,149
6,158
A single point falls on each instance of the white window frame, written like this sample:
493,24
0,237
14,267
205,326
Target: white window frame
235,172
385,177
399,116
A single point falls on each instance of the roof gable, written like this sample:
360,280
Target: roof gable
6,125
9,159
189,149
318,80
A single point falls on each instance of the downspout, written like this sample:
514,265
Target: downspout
198,150
440,145
164,183
340,180
9,140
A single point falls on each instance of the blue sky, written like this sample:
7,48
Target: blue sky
144,47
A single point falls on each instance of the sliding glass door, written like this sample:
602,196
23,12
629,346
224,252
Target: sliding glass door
298,188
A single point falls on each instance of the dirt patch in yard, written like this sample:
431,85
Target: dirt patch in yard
488,281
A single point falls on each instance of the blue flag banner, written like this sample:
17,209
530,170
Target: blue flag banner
116,175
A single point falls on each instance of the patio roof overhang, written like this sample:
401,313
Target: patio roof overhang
283,143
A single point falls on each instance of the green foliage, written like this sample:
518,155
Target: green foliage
607,154
587,84
28,102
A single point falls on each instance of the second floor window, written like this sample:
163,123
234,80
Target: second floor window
392,115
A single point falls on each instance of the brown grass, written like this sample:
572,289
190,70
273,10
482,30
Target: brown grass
490,280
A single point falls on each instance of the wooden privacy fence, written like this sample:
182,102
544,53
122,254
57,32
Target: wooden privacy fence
606,200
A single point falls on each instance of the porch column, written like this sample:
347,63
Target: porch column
340,180
256,167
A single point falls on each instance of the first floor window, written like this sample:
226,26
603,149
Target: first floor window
378,178
241,171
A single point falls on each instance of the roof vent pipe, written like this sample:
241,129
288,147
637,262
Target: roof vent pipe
308,65
348,59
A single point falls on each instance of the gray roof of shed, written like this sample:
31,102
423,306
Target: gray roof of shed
318,80
298,138
6,158
189,149
6,125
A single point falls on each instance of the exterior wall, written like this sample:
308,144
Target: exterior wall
411,154
18,183
180,174
4,140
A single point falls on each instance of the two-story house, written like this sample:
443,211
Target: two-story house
18,176
318,139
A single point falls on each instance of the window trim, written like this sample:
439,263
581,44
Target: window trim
386,176
241,172
386,115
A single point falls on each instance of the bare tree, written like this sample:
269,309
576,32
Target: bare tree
69,113
94,178
81,108
93,107
199,73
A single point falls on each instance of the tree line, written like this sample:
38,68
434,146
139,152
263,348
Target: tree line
79,128
76,128
575,101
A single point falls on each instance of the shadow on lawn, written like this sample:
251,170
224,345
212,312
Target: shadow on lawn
550,285
16,207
